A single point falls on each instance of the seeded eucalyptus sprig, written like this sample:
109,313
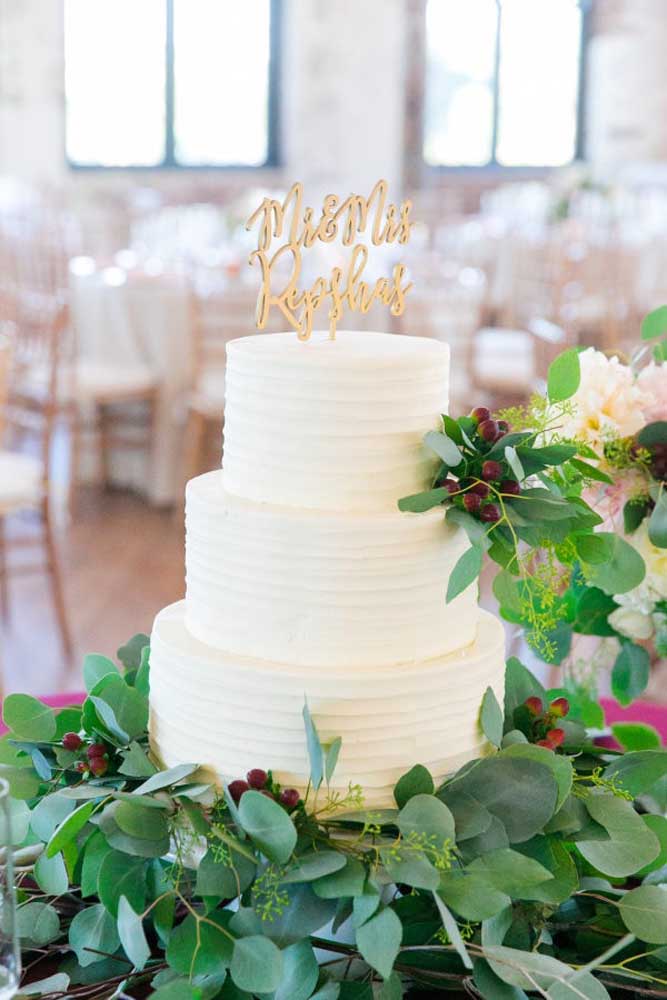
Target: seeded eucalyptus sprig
519,500
532,864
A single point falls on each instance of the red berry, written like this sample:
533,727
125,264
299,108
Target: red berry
72,741
480,414
489,513
450,485
257,778
99,766
237,788
81,767
511,487
503,426
267,793
491,471
560,707
534,705
544,743
555,737
96,750
488,430
481,489
289,797
472,502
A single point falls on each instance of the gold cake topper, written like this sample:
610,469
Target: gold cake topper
345,287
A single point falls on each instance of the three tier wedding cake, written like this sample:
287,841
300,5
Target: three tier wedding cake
305,582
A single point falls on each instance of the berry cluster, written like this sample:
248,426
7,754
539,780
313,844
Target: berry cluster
95,757
540,725
262,781
484,476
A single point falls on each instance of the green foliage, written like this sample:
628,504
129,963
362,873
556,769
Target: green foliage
500,874
630,673
564,376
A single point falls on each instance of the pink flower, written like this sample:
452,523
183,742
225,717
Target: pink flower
652,381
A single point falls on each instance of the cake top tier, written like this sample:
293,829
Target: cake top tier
332,424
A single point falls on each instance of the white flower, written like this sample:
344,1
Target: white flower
634,617
652,380
655,560
607,404
631,623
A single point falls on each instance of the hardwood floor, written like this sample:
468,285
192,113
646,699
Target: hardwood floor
122,560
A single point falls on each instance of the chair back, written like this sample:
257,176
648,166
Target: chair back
221,313
539,270
5,355
34,317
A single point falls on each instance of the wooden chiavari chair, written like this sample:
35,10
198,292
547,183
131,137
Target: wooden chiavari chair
218,315
33,317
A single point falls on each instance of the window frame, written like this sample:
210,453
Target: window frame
169,161
492,168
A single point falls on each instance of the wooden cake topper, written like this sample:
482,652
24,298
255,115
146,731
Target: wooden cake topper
349,219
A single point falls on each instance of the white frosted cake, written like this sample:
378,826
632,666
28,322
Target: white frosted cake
304,581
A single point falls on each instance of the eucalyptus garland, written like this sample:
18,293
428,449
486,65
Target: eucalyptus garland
537,870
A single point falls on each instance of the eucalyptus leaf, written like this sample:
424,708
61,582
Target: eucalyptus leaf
92,931
51,875
429,816
654,324
444,448
379,940
331,754
214,878
120,875
131,653
308,867
14,822
95,667
257,965
657,523
630,673
637,772
453,932
198,947
131,934
38,923
300,972
163,779
491,718
624,570
268,826
500,782
419,503
315,753
644,913
631,845
465,572
28,718
69,828
417,781
564,376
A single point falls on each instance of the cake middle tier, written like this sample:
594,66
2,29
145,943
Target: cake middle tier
321,589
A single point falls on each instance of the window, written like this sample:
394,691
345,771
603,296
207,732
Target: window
170,83
502,82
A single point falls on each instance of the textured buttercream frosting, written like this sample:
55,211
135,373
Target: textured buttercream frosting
321,589
232,713
305,582
334,424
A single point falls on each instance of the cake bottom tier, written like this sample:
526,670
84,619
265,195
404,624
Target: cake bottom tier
231,714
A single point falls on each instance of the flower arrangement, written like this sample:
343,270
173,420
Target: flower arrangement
537,870
619,411
568,496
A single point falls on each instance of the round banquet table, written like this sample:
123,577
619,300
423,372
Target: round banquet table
126,315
